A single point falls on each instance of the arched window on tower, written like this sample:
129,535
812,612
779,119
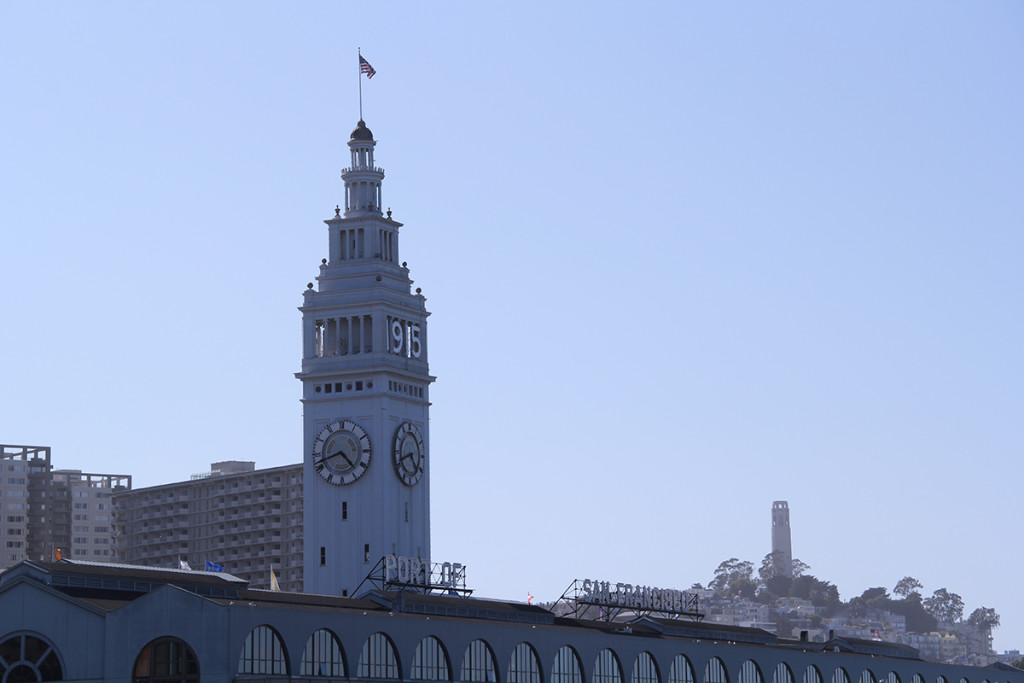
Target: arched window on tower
26,657
168,660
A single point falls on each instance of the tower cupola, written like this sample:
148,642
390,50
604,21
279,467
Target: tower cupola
362,178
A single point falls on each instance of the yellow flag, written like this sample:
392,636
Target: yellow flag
273,581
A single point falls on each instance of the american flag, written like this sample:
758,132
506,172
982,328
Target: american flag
365,68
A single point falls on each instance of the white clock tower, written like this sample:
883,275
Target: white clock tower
365,394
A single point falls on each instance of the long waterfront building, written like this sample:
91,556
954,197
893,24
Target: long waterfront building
78,621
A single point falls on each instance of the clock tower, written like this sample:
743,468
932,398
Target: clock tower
365,393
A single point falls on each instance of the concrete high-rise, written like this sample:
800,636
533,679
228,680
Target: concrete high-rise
47,512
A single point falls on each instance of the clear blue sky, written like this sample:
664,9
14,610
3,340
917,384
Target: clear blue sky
683,259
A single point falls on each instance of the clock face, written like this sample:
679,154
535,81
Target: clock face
341,452
410,454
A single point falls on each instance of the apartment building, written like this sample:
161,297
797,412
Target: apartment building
237,518
48,513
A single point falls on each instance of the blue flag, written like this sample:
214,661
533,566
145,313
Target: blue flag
213,567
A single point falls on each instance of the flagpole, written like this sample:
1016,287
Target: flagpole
359,77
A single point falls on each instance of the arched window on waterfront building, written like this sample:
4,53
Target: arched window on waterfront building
964,680
263,653
715,671
567,667
866,676
28,658
430,663
523,665
782,674
918,678
168,660
607,668
378,658
645,670
478,664
750,673
681,671
323,656
892,677
811,674
941,679
840,675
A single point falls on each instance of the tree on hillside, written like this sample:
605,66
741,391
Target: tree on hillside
984,618
874,595
918,619
907,586
820,593
732,576
945,606
773,564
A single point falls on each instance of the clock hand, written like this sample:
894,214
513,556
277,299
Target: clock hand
343,457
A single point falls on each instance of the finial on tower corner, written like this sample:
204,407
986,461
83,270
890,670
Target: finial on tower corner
389,212
337,210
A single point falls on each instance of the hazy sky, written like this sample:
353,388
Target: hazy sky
683,259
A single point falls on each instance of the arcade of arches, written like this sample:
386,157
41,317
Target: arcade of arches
27,657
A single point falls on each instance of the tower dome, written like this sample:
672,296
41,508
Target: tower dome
361,132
